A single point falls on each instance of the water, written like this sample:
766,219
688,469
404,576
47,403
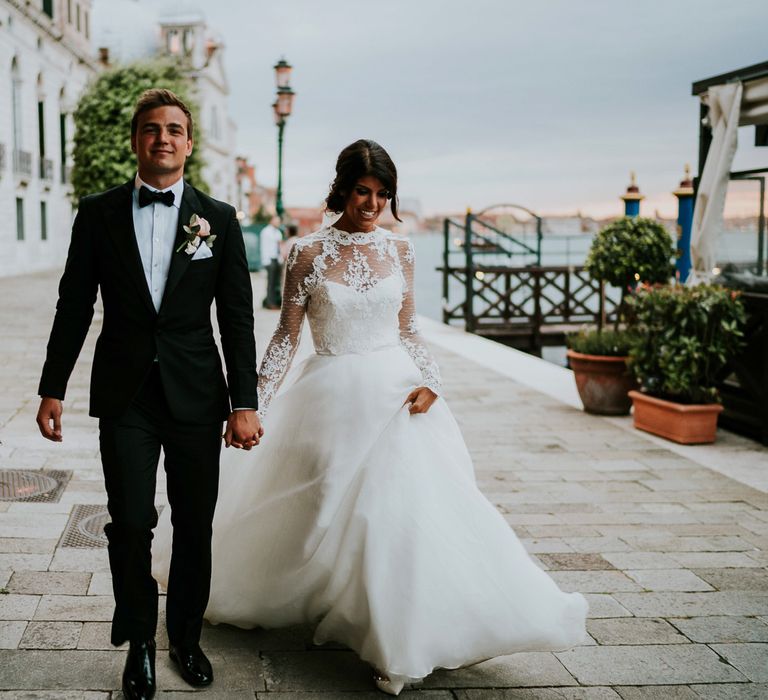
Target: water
738,245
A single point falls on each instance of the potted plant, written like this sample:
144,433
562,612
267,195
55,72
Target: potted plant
623,253
686,336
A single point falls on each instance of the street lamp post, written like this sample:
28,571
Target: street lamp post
282,110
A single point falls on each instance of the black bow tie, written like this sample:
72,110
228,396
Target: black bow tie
147,196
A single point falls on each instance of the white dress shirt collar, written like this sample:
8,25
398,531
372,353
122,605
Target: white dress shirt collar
177,188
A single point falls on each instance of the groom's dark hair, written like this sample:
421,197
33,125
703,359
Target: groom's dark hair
159,97
360,159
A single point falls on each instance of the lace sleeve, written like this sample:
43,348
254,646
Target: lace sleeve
409,329
285,340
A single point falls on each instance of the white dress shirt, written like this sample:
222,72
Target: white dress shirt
155,226
270,244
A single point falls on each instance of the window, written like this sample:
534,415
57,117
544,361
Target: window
63,145
77,16
19,219
87,24
69,11
48,8
43,221
16,105
41,127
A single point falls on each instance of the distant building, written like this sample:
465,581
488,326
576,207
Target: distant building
252,199
129,30
47,58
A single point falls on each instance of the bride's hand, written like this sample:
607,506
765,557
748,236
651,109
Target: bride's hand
421,400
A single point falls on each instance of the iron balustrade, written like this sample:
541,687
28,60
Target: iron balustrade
46,169
528,305
22,162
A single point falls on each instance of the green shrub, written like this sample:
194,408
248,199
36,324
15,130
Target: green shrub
685,337
597,342
631,250
102,142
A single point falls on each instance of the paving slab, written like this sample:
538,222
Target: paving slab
515,670
750,659
656,692
668,580
735,579
723,629
40,582
61,670
11,632
647,665
675,604
536,694
51,635
634,630
732,691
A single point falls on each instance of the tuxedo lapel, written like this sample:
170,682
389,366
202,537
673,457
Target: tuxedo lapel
190,204
120,227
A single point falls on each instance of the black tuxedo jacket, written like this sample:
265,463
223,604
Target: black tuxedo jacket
104,254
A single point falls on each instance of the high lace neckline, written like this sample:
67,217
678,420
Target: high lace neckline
354,236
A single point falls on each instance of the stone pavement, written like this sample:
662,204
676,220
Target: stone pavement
671,555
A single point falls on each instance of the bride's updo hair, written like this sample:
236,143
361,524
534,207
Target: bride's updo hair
360,159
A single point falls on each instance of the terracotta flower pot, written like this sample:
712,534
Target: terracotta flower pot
688,424
603,382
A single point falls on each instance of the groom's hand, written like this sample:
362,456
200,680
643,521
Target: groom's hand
49,418
243,429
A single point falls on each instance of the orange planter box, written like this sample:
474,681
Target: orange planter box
688,424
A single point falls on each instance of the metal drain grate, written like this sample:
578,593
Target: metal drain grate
85,527
35,486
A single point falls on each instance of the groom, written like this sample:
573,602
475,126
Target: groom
160,252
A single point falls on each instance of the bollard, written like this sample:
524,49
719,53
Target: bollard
632,198
684,194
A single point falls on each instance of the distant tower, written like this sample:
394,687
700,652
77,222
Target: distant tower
632,197
684,194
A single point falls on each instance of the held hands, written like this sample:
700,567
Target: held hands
421,400
49,418
243,429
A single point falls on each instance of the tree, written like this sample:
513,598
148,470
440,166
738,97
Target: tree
102,149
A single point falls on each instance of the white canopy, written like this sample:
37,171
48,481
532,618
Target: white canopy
730,105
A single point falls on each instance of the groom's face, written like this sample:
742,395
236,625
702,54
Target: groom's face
161,142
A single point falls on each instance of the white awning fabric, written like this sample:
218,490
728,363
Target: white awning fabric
724,114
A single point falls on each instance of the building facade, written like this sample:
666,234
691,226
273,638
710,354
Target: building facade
130,30
47,58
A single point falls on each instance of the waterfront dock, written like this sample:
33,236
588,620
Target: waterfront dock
669,544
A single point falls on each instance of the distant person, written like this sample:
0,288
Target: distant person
360,514
271,237
291,236
160,252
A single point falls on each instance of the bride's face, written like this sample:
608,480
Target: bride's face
365,204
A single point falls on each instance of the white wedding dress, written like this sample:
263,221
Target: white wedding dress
353,514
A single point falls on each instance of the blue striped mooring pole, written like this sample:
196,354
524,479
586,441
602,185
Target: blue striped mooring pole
684,194
632,198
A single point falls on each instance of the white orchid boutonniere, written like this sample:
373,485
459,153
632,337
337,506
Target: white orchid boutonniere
198,230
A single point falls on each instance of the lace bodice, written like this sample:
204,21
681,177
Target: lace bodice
356,289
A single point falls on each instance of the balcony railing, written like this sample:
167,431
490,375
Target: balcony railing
46,169
22,163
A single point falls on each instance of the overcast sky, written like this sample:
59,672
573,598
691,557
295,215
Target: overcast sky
546,103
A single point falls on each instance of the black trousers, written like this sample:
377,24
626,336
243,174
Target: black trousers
274,283
130,453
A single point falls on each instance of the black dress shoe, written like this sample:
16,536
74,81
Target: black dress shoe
139,673
193,665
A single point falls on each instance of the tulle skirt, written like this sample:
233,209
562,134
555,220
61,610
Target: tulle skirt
358,517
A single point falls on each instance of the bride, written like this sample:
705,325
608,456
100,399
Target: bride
359,512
